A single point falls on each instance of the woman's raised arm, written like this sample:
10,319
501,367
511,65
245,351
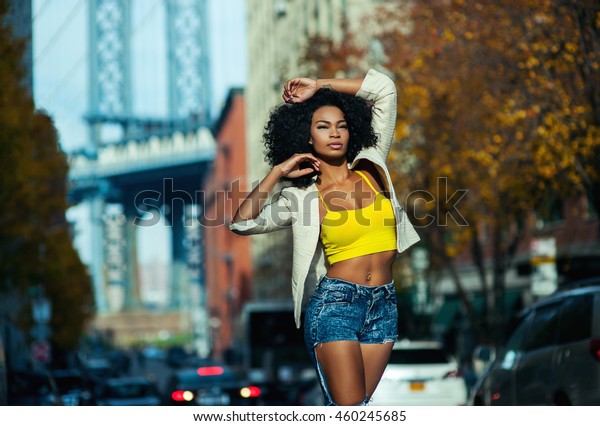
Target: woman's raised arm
299,89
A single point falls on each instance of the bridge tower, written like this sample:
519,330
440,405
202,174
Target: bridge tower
109,103
110,67
110,113
188,59
189,99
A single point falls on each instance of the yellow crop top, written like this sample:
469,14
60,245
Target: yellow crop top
346,234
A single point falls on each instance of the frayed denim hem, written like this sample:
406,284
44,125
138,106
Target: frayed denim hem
360,404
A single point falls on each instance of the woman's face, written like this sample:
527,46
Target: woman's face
329,134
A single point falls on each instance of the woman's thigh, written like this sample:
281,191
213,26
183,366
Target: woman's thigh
375,358
352,370
342,365
333,319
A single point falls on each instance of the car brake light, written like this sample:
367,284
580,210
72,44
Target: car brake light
182,395
595,349
452,374
250,392
210,371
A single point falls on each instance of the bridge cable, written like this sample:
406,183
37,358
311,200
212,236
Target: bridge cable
40,12
67,79
59,32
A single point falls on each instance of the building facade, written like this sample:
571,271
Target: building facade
228,272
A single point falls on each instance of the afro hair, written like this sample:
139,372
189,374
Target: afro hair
288,130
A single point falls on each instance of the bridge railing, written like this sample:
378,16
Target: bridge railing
146,154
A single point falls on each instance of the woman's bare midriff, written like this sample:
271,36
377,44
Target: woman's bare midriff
370,270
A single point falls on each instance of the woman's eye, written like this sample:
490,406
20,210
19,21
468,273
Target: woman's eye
321,127
343,126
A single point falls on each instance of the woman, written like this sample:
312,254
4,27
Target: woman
330,140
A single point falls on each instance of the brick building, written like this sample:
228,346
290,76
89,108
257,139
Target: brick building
228,257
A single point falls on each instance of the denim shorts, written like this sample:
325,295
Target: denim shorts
342,310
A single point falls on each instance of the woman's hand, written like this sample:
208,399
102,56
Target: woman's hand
299,89
291,168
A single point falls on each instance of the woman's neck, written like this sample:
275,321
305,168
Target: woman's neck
333,173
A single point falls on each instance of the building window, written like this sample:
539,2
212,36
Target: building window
281,8
590,208
549,212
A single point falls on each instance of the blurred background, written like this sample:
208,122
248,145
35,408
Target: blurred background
131,131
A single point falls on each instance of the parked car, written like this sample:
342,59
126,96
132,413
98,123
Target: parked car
209,385
551,358
98,369
176,356
70,388
125,391
119,360
420,373
29,388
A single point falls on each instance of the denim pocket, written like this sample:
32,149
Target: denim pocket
338,297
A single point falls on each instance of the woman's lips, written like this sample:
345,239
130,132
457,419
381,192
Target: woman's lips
336,145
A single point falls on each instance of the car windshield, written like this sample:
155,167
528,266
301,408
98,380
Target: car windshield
418,356
192,378
129,390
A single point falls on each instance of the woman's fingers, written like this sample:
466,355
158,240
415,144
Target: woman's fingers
287,91
288,96
296,89
291,167
299,158
303,172
291,84
309,156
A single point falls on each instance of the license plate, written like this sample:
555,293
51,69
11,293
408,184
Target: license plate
417,386
70,400
213,399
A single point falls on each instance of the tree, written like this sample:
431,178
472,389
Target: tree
36,251
327,59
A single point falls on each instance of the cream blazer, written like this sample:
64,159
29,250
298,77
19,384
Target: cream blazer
298,208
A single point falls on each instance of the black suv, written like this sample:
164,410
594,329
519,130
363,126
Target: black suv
551,358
